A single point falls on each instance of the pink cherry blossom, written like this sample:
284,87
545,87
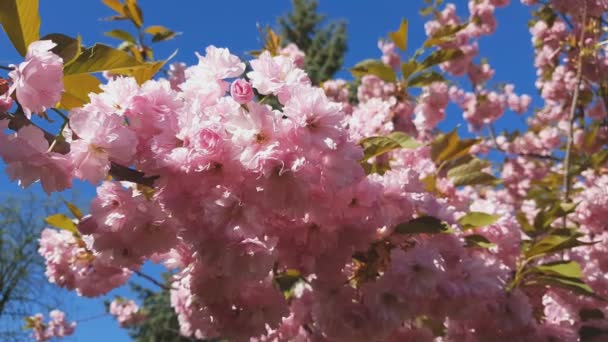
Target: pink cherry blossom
38,81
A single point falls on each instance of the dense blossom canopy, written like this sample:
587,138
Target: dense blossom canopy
291,212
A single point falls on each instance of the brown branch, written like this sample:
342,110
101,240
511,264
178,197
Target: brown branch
123,173
152,280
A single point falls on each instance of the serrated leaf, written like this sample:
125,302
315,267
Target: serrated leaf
477,240
399,37
74,209
21,22
67,48
477,219
62,222
374,67
441,56
99,58
76,90
425,78
422,225
121,35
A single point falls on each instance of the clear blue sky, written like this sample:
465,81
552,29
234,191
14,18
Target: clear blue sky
232,24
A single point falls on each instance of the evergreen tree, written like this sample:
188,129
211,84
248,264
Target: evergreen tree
324,46
161,324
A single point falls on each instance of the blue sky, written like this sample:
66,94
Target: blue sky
232,24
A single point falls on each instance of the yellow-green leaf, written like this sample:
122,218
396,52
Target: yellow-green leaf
142,72
67,48
375,146
477,219
475,178
374,67
122,35
425,224
116,5
76,91
441,56
99,58
133,12
160,33
424,79
62,222
399,37
21,22
478,241
74,210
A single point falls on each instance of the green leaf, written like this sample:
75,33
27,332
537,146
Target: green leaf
525,224
569,269
425,79
74,209
76,90
399,37
99,58
441,56
160,33
448,147
142,72
478,241
572,284
475,178
375,146
422,225
121,35
444,35
470,173
67,47
555,243
477,219
62,222
21,22
374,67
409,68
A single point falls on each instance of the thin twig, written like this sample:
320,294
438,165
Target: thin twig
152,280
571,115
65,118
6,68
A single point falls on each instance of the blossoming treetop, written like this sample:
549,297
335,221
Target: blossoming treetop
320,217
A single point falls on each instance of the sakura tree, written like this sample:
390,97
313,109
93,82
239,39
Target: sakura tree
289,211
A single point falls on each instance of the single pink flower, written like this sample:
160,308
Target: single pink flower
38,81
241,91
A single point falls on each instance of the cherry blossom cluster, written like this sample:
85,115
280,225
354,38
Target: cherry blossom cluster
273,229
56,327
127,312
